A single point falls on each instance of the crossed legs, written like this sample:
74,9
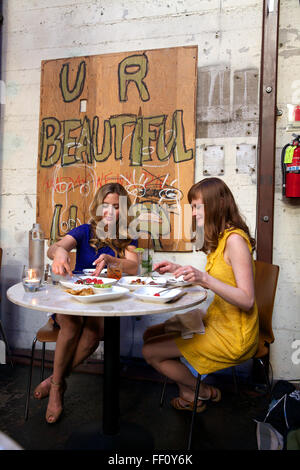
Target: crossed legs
162,353
78,338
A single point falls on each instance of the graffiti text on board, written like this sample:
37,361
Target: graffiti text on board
59,144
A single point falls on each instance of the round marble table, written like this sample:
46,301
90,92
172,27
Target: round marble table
53,299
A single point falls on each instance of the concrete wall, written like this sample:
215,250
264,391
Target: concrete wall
228,35
285,353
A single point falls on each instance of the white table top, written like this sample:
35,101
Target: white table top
53,299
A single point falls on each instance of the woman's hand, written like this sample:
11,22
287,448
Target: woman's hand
61,262
59,252
191,274
165,267
102,261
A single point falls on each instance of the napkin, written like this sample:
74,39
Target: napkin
187,324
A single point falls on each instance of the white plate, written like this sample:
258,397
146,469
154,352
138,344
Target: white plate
115,293
89,272
126,281
71,284
178,282
147,294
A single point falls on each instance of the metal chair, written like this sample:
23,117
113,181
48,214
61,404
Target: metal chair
47,334
1,326
266,277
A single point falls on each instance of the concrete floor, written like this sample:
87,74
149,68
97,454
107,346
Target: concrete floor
227,425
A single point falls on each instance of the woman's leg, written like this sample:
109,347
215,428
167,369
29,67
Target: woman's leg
66,344
163,354
92,333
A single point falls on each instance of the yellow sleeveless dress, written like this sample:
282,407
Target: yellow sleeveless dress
231,335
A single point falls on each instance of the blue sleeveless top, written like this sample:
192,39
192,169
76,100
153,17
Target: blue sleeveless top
85,254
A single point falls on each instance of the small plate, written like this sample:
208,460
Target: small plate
89,272
71,284
178,282
147,294
115,293
129,282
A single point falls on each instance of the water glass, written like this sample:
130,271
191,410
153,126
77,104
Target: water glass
147,261
31,279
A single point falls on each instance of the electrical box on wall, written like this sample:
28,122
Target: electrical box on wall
245,159
213,160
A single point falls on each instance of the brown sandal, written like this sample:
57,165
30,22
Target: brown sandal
51,416
212,391
188,405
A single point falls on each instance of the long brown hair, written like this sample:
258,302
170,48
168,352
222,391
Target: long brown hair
220,209
118,245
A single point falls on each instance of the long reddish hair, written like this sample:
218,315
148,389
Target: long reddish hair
221,211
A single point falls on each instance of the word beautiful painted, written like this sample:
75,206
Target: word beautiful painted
76,140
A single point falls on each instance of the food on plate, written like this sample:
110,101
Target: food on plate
89,280
102,286
138,281
88,291
157,294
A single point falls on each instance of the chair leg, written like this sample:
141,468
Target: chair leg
5,341
29,379
162,396
266,375
43,361
194,412
235,380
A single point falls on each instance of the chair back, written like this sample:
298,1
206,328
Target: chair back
0,266
266,277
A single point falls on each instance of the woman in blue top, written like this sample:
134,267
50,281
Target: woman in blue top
96,244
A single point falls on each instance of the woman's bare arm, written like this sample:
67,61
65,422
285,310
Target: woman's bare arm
59,252
238,256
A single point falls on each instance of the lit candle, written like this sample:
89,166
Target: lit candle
31,283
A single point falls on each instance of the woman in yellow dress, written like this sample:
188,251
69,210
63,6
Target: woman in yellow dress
231,321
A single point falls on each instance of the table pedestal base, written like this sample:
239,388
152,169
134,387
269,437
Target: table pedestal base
130,437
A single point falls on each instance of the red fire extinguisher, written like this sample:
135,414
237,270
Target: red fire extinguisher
290,164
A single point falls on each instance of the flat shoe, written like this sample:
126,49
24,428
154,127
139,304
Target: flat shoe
212,390
188,405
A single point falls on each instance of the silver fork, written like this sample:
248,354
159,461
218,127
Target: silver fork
167,289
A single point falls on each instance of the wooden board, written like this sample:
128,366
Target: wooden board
127,117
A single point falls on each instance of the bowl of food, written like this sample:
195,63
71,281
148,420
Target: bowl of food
98,288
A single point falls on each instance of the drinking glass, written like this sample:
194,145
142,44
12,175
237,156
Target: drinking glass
147,261
114,269
31,278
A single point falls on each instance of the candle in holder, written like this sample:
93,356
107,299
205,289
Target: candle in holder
31,279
